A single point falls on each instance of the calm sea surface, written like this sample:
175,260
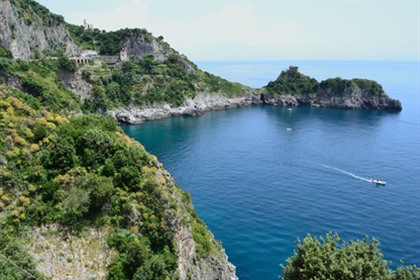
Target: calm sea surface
258,186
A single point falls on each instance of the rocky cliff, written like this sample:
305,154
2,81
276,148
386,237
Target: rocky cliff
202,103
29,30
141,44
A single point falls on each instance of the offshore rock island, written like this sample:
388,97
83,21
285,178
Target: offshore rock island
72,181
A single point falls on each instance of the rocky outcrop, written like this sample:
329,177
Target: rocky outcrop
141,44
75,83
62,255
294,88
201,103
356,100
28,30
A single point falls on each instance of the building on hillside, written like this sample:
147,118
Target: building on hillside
87,26
89,53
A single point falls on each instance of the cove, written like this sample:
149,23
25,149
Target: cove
258,186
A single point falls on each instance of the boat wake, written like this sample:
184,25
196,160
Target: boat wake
347,173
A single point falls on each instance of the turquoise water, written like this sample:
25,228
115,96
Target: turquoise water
258,186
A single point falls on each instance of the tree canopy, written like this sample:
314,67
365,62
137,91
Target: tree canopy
329,258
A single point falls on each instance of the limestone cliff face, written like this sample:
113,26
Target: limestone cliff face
141,44
28,30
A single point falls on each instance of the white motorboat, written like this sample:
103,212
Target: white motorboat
378,182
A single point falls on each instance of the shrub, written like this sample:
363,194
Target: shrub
66,64
328,258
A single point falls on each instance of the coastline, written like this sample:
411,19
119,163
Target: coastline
204,102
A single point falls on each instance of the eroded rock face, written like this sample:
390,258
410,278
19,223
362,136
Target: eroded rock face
348,102
75,83
192,107
61,255
26,35
141,45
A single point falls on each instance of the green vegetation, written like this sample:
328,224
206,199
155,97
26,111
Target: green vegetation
82,172
107,43
5,54
292,82
11,255
147,81
328,258
337,86
41,84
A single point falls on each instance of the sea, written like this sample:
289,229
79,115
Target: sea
262,176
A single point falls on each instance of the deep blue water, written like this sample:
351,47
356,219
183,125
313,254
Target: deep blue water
258,186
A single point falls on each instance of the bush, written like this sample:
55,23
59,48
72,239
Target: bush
5,53
328,258
14,252
4,64
293,82
61,155
66,64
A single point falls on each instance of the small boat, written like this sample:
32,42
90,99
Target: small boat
378,182
289,109
289,129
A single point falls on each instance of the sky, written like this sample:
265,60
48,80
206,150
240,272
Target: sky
263,30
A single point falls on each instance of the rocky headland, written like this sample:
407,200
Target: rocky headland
299,91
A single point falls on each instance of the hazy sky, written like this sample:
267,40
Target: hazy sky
263,30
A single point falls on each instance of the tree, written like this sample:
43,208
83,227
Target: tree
66,64
326,258
61,154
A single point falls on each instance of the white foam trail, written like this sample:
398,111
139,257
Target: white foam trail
347,173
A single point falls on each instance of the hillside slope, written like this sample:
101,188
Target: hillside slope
78,198
81,184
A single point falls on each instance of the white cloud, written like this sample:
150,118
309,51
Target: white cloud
132,14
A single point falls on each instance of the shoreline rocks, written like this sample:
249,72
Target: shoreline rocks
192,107
204,102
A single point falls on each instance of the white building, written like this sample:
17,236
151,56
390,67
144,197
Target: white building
89,53
87,26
